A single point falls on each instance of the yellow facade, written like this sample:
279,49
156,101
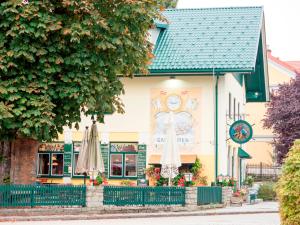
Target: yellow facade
260,148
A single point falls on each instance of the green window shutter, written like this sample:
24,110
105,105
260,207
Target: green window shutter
68,159
141,162
105,155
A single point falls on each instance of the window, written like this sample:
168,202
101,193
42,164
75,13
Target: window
234,112
229,106
123,160
229,160
57,162
43,164
116,167
131,166
232,163
239,113
50,159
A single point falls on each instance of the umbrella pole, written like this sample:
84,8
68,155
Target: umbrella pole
84,178
169,181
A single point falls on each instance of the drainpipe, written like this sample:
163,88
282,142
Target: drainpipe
216,126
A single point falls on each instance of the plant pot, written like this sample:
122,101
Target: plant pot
236,200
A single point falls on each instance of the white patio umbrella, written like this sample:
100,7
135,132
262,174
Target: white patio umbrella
95,161
170,159
81,166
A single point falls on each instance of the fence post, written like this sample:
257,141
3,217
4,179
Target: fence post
31,196
260,170
143,195
191,196
94,196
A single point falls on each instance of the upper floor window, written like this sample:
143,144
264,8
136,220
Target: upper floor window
229,105
239,113
234,109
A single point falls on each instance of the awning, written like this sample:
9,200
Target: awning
185,159
243,154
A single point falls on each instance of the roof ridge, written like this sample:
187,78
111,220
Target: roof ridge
209,8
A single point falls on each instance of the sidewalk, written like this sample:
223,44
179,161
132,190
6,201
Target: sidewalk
80,214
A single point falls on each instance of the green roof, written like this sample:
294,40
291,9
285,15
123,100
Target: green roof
202,39
215,39
243,154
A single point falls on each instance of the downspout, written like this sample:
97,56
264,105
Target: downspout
216,126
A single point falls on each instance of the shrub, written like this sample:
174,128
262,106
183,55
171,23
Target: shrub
127,183
288,188
267,192
249,181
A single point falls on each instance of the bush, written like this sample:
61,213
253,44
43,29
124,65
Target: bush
249,181
267,192
288,188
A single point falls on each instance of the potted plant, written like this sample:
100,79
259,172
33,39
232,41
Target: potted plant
237,198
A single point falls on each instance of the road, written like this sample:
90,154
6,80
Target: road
240,219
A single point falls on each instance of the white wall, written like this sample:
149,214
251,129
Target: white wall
228,84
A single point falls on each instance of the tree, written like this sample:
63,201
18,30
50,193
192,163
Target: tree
59,59
283,116
288,187
170,3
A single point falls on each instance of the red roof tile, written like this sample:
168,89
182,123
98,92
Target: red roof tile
288,65
295,64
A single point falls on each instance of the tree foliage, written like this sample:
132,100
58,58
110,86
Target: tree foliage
283,116
59,59
288,188
170,3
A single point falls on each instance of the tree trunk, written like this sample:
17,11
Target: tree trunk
23,161
5,161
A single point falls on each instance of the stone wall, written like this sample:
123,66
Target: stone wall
191,196
94,196
226,194
23,161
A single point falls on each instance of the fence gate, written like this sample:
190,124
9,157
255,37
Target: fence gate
209,195
120,196
42,195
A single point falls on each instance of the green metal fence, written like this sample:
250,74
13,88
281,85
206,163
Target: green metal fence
209,195
42,195
121,196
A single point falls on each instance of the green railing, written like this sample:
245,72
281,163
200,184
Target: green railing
42,195
121,196
209,195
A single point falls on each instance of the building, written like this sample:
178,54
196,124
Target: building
208,63
260,147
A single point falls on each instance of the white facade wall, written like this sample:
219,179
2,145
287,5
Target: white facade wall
137,117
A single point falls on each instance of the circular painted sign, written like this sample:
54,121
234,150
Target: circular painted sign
240,131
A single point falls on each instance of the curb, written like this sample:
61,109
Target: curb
125,216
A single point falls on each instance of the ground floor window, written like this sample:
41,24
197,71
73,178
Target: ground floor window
123,160
50,164
44,164
57,162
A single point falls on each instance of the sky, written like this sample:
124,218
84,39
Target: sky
282,18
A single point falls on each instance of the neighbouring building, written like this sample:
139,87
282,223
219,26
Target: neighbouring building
260,147
208,63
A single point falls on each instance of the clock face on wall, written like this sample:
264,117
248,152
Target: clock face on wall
173,102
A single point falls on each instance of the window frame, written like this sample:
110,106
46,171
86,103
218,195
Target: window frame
234,109
229,106
57,175
123,176
38,165
238,108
